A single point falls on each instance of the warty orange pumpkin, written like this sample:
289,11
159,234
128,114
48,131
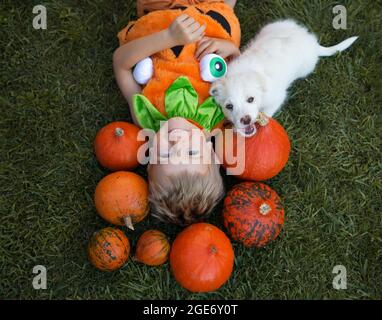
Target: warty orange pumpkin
253,214
108,249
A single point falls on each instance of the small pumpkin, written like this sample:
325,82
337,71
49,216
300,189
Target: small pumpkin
108,249
152,248
266,152
121,198
201,258
253,214
116,146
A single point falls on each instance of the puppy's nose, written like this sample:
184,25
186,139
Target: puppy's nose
246,120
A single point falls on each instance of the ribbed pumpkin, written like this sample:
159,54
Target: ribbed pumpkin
201,258
152,248
121,198
116,146
253,214
108,249
266,152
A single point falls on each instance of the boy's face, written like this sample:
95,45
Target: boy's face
179,146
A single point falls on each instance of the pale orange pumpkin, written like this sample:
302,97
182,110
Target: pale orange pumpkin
121,198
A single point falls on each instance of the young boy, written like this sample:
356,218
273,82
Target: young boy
184,180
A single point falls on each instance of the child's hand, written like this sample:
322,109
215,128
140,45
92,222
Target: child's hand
185,30
223,48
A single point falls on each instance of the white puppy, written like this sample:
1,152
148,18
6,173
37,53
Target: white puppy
258,80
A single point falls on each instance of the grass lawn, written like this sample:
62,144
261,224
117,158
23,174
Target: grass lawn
57,89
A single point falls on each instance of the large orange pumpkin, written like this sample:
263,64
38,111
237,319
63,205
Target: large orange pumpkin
266,152
152,248
253,214
121,198
116,146
201,258
108,249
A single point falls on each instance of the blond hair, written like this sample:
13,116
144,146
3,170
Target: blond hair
186,198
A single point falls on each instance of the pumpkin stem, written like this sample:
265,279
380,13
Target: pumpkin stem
213,249
119,132
128,222
262,119
265,209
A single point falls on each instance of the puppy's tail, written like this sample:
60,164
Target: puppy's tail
329,51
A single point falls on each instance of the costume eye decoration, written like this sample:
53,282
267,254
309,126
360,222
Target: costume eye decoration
143,71
212,67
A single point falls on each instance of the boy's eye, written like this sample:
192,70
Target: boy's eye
193,152
212,67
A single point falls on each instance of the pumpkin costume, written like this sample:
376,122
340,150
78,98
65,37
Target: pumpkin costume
147,6
180,61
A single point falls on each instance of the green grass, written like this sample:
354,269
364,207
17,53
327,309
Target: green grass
57,89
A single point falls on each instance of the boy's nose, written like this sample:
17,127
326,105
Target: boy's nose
179,153
176,153
176,149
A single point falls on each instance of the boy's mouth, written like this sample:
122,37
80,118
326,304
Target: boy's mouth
179,124
177,130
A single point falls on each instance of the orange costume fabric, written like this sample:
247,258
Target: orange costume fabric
146,6
170,64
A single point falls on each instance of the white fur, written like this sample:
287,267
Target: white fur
282,52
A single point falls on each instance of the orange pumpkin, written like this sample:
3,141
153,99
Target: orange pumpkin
108,249
152,248
253,214
201,258
121,198
266,152
116,146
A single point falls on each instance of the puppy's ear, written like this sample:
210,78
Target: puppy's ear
216,89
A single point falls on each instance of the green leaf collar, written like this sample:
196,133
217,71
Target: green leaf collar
181,100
